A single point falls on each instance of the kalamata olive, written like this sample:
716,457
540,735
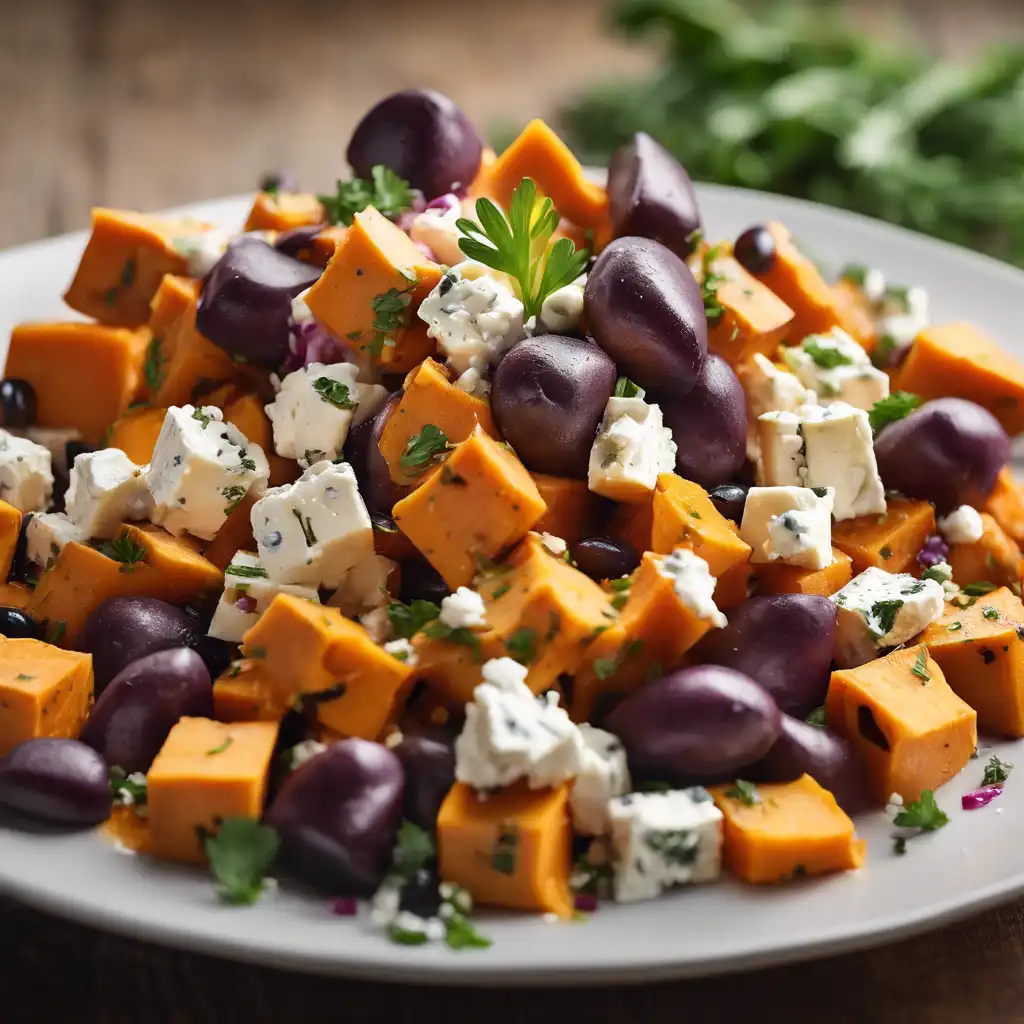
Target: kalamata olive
362,450
755,250
297,241
133,715
650,195
57,781
730,500
696,723
644,308
16,624
17,403
429,762
785,642
217,654
338,815
123,629
423,137
709,425
421,581
949,451
604,558
829,759
421,894
279,181
246,300
548,396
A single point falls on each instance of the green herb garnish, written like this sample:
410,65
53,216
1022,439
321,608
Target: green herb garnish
817,717
408,619
385,191
625,388
389,309
437,630
522,645
221,747
124,550
333,392
828,357
920,670
885,612
990,613
233,496
996,771
126,790
979,588
924,814
430,445
891,409
240,853
153,369
745,792
710,282
255,572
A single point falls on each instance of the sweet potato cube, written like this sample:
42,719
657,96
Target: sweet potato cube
10,530
795,829
480,502
44,691
206,771
430,398
135,433
890,541
1005,504
856,315
243,694
572,507
374,258
980,650
452,671
84,375
15,595
283,211
178,570
780,578
910,729
995,558
961,360
412,345
513,849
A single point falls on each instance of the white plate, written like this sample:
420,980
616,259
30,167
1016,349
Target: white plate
971,864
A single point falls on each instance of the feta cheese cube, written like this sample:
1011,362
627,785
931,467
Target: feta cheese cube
878,609
837,369
789,524
26,477
662,840
247,594
56,440
561,311
962,526
436,227
314,530
106,489
903,314
693,583
364,587
46,533
769,389
603,775
780,447
631,448
510,734
315,408
463,609
201,469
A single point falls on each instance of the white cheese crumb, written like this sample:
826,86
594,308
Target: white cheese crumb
693,583
26,476
463,610
403,650
962,526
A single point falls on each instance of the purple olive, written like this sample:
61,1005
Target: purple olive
709,425
703,722
246,300
429,762
17,403
949,451
338,815
422,582
784,642
362,449
297,241
604,558
644,308
134,714
60,782
730,500
650,195
548,396
423,137
829,759
755,250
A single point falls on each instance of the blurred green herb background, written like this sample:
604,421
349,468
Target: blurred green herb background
789,98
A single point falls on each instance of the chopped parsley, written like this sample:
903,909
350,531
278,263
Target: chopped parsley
828,357
385,191
954,627
127,790
891,409
674,846
503,858
990,613
996,771
430,445
240,854
817,717
246,571
125,551
855,273
389,309
198,414
408,619
307,527
333,392
221,747
979,588
24,677
625,388
437,630
924,814
522,645
711,281
920,666
885,613
153,369
233,496
745,792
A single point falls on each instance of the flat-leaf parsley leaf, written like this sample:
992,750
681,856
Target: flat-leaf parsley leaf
241,853
385,191
891,409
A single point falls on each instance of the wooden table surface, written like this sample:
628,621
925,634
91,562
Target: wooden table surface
148,103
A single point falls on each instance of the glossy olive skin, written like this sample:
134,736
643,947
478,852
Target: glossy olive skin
604,558
124,629
362,451
16,624
548,395
709,425
298,240
829,759
644,308
428,758
755,250
338,815
650,195
246,300
421,581
423,136
132,717
17,403
56,781
730,500
785,642
703,722
949,451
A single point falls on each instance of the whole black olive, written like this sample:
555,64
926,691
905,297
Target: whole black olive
17,403
755,250
15,624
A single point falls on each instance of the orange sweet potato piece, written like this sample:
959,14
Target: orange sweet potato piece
452,671
235,535
10,528
795,829
84,375
206,771
780,578
513,849
282,211
960,360
995,558
135,433
890,541
44,691
248,413
15,595
910,729
856,316
572,507
243,694
1005,504
412,345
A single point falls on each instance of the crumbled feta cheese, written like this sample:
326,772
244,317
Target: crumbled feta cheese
201,250
942,572
246,582
304,751
603,775
201,469
693,583
561,311
837,369
315,408
554,545
463,609
894,805
769,389
301,313
662,840
474,382
314,530
436,227
106,489
962,526
631,448
789,524
510,734
878,609
364,587
46,533
903,315
403,650
26,477
55,440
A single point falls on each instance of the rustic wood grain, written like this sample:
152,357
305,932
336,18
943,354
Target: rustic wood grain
148,103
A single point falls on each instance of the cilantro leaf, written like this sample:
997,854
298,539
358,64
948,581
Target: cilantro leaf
996,771
408,619
745,792
241,853
892,409
924,814
333,392
385,191
827,357
430,445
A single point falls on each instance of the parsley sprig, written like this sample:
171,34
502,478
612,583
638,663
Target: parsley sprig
924,814
334,392
892,409
390,310
408,619
429,446
124,550
240,853
997,771
828,357
385,191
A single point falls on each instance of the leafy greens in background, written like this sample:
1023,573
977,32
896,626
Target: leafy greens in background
792,100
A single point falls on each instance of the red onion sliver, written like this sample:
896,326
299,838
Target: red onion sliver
344,907
979,797
246,603
585,902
